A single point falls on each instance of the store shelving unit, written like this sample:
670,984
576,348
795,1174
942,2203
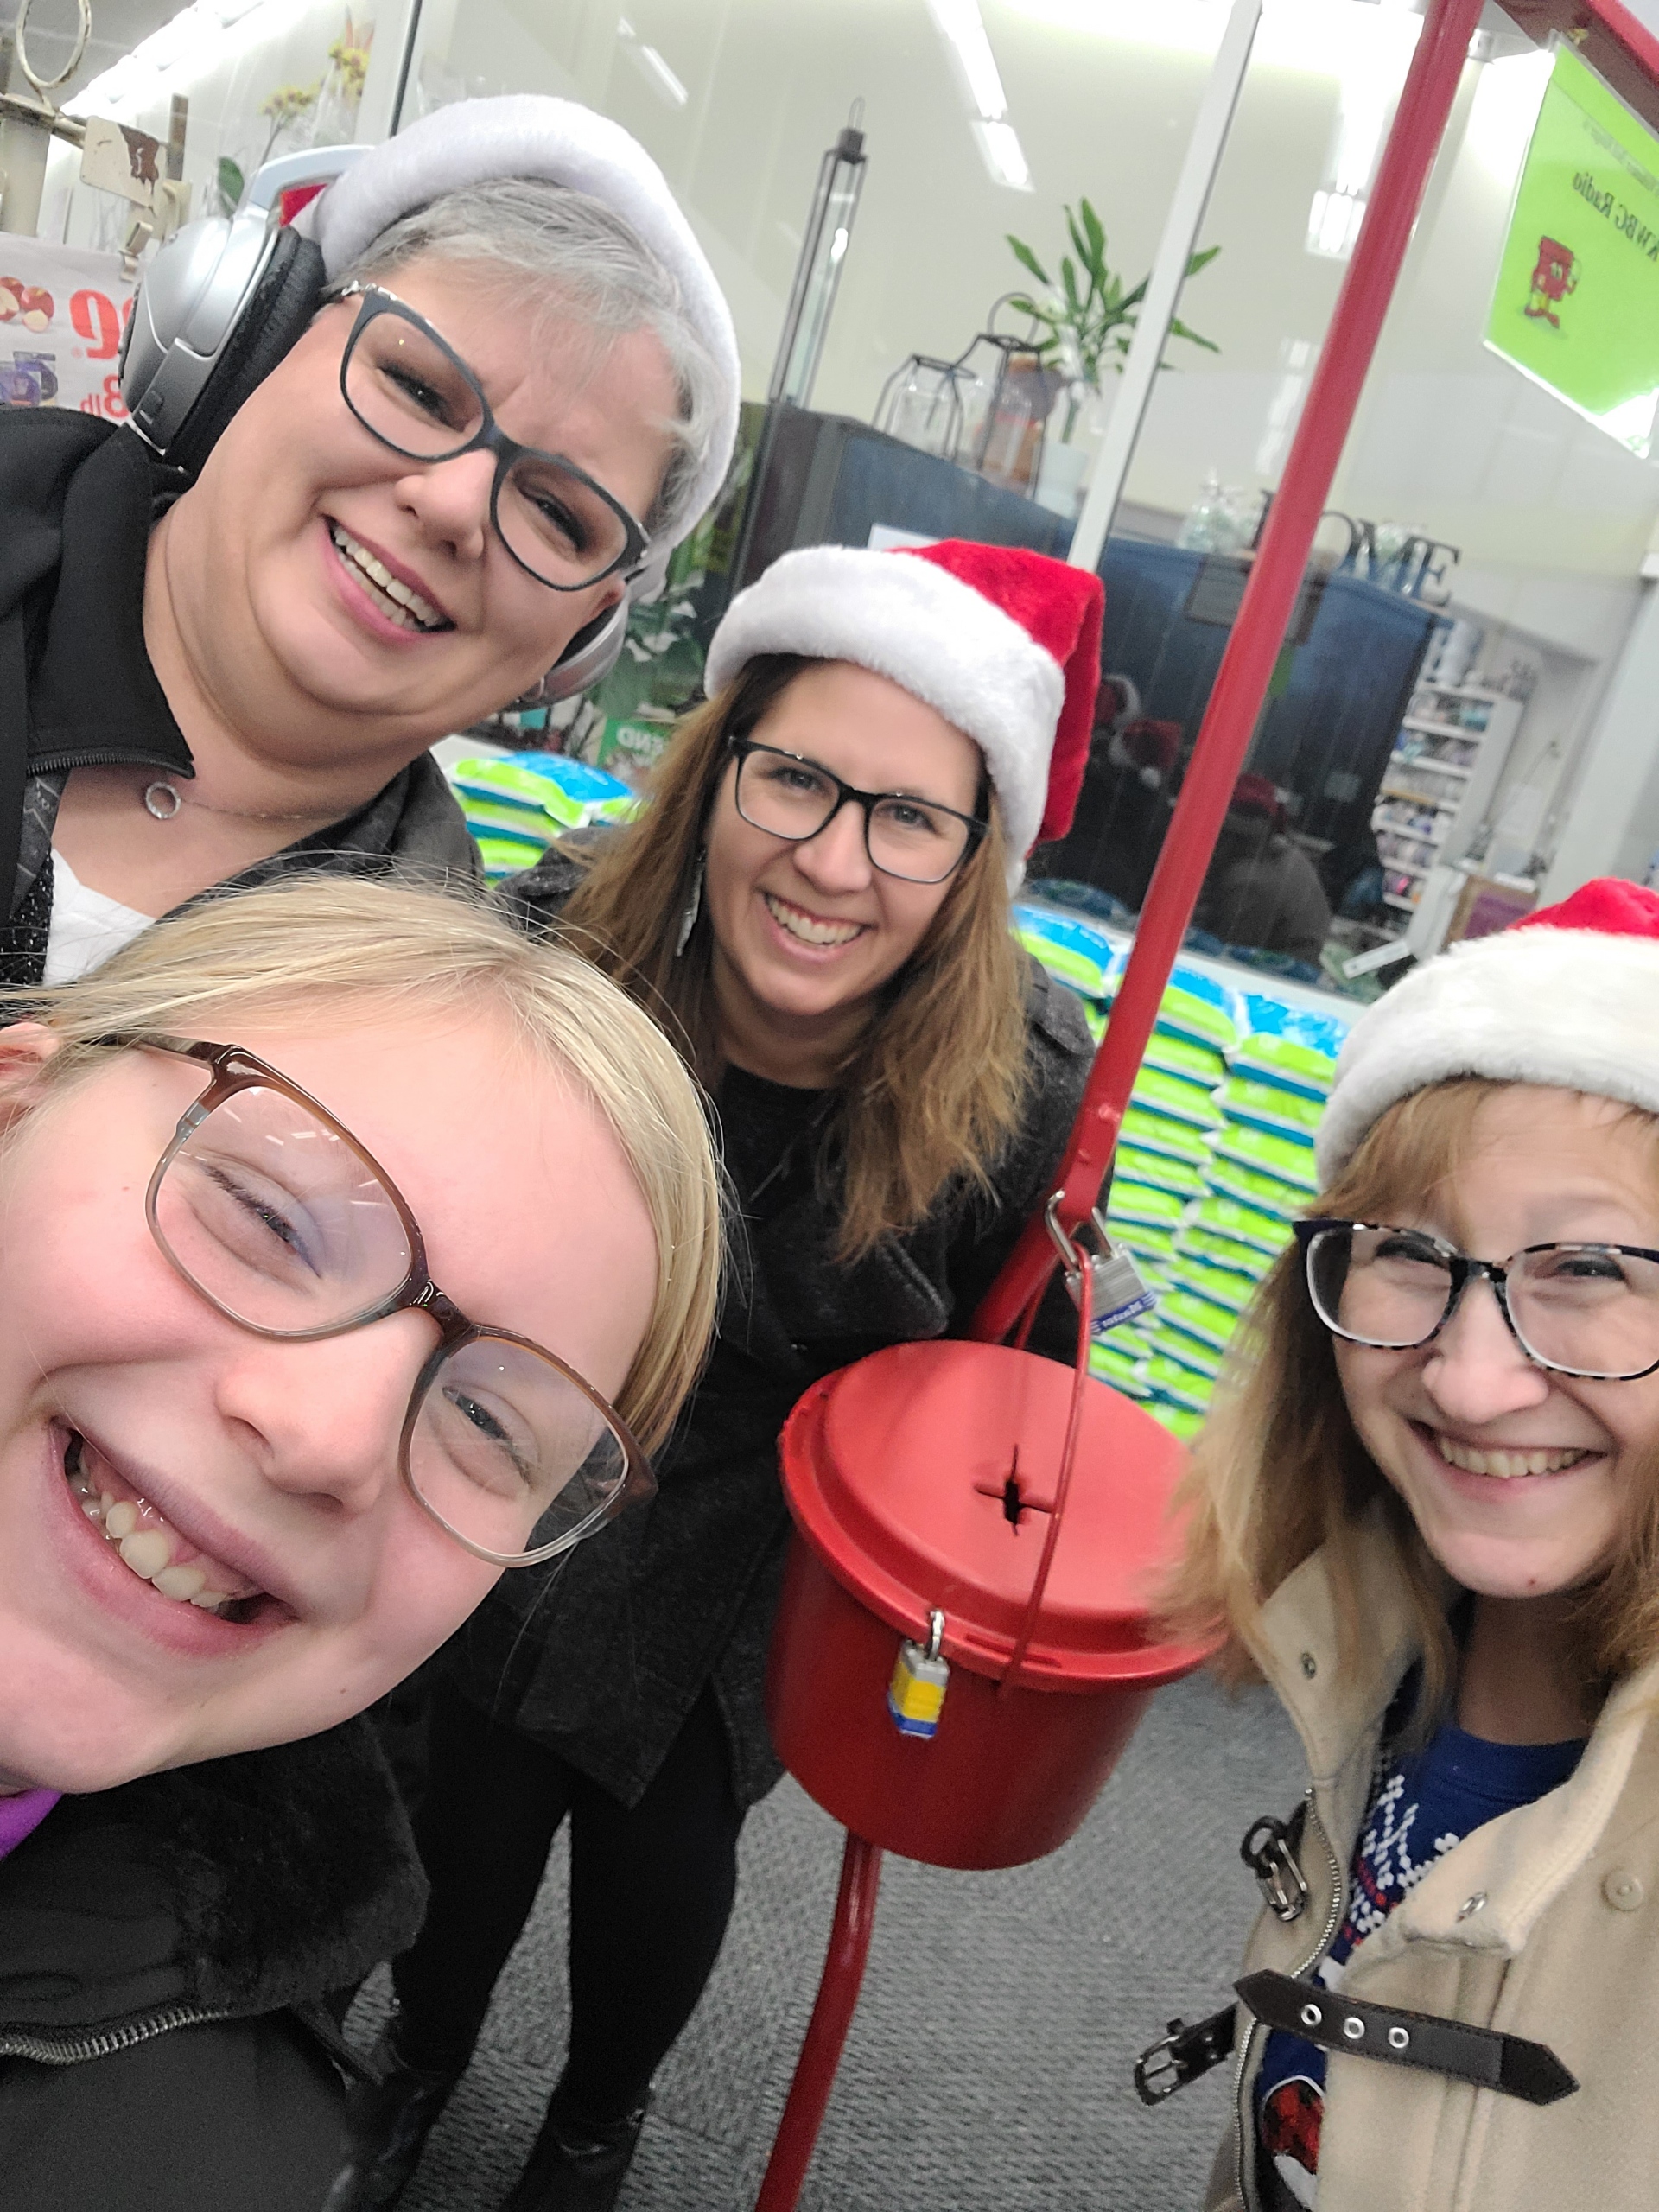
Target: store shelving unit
1439,784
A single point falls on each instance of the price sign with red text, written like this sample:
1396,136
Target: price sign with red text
62,312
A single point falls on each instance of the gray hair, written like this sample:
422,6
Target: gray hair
577,252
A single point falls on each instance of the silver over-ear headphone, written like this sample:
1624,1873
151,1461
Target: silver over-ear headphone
197,291
597,647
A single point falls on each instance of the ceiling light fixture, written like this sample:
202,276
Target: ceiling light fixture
652,65
962,29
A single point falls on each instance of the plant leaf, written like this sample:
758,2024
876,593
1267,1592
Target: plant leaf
1026,259
1202,260
1069,281
1096,235
232,184
1181,330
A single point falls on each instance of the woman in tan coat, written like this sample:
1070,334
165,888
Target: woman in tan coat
1427,1512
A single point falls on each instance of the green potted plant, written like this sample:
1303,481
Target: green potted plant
1086,322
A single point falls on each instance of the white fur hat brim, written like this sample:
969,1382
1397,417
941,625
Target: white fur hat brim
923,628
1570,1009
534,135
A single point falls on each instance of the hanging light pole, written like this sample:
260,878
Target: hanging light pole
818,272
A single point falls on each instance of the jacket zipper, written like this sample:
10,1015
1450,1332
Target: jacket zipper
58,764
74,2050
1244,2133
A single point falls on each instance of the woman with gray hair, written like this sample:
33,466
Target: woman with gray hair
227,639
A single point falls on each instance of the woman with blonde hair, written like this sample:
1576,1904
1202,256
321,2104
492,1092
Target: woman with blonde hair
1426,1510
816,902
352,1249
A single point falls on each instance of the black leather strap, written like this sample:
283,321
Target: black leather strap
1183,2053
1509,2064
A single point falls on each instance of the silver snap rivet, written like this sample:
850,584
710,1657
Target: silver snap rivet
1470,1906
1353,2027
1312,2016
1310,1665
1399,2038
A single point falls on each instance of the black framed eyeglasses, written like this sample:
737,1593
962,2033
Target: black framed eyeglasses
272,1212
1586,1310
789,796
409,389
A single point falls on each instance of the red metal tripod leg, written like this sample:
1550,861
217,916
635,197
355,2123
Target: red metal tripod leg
826,2033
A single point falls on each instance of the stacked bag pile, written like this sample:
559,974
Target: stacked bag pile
1215,1157
516,803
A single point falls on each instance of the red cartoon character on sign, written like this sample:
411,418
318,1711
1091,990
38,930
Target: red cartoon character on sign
1552,279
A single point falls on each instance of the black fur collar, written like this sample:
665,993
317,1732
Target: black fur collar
241,1885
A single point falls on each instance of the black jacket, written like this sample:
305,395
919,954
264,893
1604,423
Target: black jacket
602,1656
165,1950
79,498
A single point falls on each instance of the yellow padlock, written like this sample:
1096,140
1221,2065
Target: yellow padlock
920,1675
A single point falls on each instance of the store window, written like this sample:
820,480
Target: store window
1480,573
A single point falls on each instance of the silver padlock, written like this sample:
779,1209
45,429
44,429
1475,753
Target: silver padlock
1117,1293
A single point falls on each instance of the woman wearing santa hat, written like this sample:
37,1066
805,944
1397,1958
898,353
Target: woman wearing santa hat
447,431
818,900
1426,1510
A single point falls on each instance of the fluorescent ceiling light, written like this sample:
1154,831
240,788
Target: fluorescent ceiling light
655,70
1005,157
963,31
196,35
1333,222
959,23
1371,78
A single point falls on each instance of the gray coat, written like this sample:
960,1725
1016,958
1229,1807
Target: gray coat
602,1656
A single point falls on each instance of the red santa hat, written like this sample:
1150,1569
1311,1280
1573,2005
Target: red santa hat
1566,998
1004,642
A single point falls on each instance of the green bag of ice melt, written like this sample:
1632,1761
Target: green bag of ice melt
1244,1223
1172,1095
1179,1386
1270,1107
1132,1164
1289,1158
1290,1045
1152,1131
1221,1286
1185,1058
1203,1247
1133,1205
1183,1422
1210,1324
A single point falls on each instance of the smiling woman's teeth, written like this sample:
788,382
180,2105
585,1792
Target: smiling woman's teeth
807,927
1506,1466
398,601
142,1538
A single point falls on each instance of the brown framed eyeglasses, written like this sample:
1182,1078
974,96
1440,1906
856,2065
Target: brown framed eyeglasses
271,1211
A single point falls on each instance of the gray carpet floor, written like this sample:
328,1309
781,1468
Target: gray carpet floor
988,2067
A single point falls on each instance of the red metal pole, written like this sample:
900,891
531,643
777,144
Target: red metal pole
1252,649
826,2033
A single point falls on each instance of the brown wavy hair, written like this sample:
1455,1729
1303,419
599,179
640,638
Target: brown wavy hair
932,1089
1279,1470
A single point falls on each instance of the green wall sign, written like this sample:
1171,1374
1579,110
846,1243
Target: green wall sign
1576,303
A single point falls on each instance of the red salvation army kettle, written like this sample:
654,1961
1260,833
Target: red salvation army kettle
923,1483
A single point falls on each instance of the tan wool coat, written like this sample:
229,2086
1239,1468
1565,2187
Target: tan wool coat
1544,1924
